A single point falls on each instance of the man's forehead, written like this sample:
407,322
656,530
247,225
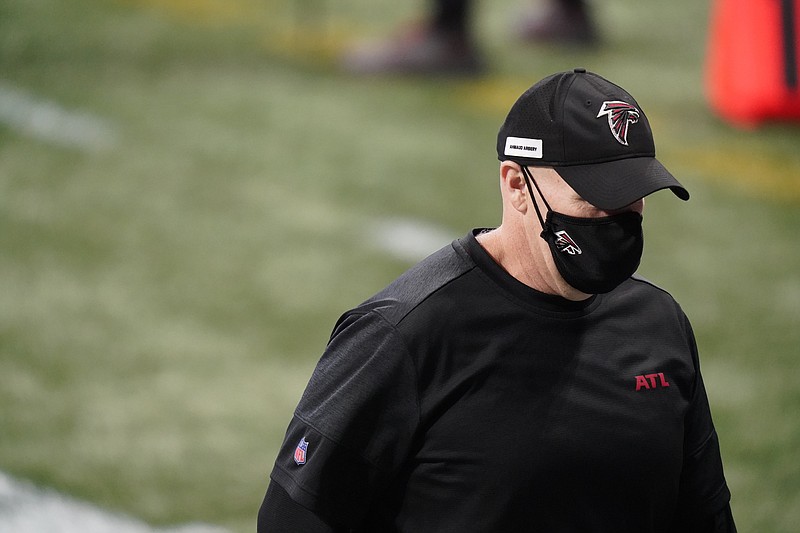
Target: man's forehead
550,176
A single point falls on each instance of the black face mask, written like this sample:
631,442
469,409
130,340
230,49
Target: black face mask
593,255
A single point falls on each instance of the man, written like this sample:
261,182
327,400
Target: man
444,43
522,378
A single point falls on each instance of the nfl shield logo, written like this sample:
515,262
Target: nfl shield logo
300,452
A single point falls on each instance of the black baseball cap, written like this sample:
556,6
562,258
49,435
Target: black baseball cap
593,133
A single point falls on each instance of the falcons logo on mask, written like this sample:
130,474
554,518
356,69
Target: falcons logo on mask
620,116
564,243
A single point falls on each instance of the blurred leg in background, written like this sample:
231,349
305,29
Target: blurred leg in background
443,42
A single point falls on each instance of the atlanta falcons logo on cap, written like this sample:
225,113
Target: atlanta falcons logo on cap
620,115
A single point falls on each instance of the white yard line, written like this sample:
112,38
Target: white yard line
407,239
49,122
25,508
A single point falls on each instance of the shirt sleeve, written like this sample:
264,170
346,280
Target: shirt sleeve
703,489
720,522
280,514
353,427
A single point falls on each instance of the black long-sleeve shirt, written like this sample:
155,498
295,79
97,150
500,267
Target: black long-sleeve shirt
459,399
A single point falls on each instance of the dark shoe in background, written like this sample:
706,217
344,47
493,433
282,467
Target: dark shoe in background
559,24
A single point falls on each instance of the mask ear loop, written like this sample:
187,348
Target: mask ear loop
528,180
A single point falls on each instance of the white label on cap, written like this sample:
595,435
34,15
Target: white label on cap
522,147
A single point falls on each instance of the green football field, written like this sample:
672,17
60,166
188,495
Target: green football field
191,193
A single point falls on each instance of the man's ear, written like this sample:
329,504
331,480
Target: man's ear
512,181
